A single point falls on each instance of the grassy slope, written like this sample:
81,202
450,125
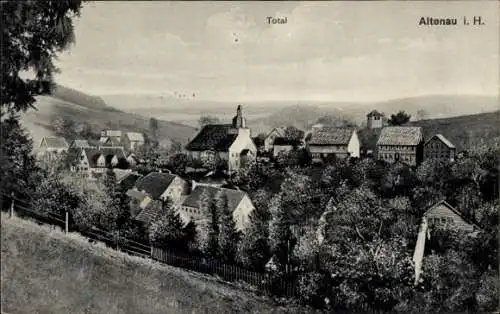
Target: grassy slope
44,271
465,131
84,108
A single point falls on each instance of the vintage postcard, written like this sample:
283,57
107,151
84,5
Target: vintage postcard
249,156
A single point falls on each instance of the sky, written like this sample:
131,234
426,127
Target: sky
327,51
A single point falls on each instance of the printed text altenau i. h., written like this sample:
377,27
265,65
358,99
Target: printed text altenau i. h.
450,21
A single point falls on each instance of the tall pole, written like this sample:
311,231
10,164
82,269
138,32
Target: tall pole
66,222
11,213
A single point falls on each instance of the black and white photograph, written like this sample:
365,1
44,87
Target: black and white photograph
249,157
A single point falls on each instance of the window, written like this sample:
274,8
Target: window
82,157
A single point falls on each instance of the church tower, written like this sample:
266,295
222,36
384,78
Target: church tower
238,121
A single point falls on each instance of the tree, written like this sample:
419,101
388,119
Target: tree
178,163
167,231
209,228
118,220
399,118
228,234
254,250
18,169
33,33
205,120
280,235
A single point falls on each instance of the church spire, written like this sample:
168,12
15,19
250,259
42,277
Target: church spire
238,120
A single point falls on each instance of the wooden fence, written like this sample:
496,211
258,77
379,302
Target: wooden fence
261,282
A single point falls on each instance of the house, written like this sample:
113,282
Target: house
52,146
440,148
160,185
133,140
79,144
374,120
284,145
271,136
95,161
333,141
111,138
230,143
238,201
441,215
401,143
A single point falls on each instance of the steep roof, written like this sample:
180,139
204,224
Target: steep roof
400,135
280,130
374,113
80,143
442,139
93,154
135,136
155,183
331,136
214,137
451,208
234,197
56,142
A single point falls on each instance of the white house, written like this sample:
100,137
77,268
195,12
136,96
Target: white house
339,142
238,201
231,143
96,161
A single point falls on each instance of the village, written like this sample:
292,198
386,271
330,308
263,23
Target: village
229,148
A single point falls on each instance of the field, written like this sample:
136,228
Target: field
80,108
45,271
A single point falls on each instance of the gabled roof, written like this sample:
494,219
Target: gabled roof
214,137
280,130
135,136
451,208
55,142
93,154
400,135
80,143
155,183
234,197
331,136
442,139
374,113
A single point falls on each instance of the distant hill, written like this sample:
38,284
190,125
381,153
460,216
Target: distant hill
440,106
465,131
422,107
80,107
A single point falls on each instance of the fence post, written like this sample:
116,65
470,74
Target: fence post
66,222
11,212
